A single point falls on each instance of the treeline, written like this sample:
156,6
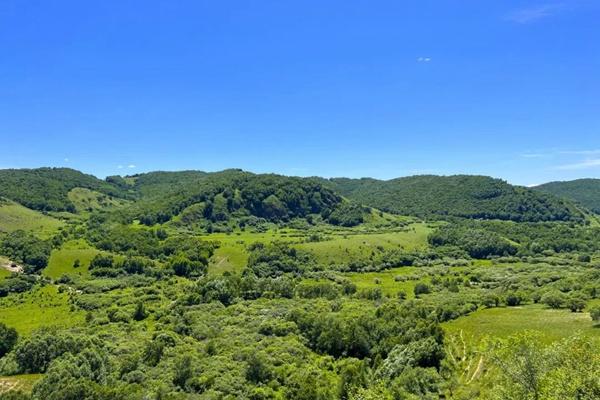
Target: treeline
482,239
464,196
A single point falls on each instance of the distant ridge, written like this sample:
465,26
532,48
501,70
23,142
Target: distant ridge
161,196
465,196
584,191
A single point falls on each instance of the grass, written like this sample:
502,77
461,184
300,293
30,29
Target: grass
86,200
62,260
14,216
340,245
15,383
507,321
344,247
232,255
43,306
386,280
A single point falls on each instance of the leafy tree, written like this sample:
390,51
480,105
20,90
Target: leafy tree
8,339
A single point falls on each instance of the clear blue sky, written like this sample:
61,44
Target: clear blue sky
332,88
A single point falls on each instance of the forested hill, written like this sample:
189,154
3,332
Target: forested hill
584,191
193,196
47,189
467,196
190,196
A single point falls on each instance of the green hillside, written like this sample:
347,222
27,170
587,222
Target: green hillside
466,196
47,189
221,196
14,217
584,191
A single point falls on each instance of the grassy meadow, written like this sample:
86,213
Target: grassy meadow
14,217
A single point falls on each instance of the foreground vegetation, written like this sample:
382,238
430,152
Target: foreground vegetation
191,285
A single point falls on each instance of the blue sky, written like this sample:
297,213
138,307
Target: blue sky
332,88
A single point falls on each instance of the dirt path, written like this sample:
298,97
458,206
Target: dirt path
10,266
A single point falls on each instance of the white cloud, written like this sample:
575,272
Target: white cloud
66,160
424,59
586,164
119,167
131,166
532,14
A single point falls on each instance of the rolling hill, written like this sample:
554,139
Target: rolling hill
466,196
584,191
220,196
47,189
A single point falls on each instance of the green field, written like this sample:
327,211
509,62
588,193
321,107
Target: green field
344,247
62,260
232,255
14,216
407,277
337,246
505,321
43,306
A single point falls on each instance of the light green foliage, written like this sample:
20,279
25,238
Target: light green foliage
568,369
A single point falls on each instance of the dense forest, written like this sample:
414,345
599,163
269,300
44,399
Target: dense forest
467,196
233,285
584,191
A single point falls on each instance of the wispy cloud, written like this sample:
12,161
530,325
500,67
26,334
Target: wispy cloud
424,59
131,166
532,14
586,164
119,167
535,155
66,160
581,152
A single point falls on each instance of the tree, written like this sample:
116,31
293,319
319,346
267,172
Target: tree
8,339
422,288
183,371
595,314
553,299
576,303
140,312
513,299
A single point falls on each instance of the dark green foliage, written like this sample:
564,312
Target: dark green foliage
46,189
8,339
183,371
34,354
421,288
16,284
275,259
232,193
478,243
464,196
140,312
584,191
25,248
347,214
